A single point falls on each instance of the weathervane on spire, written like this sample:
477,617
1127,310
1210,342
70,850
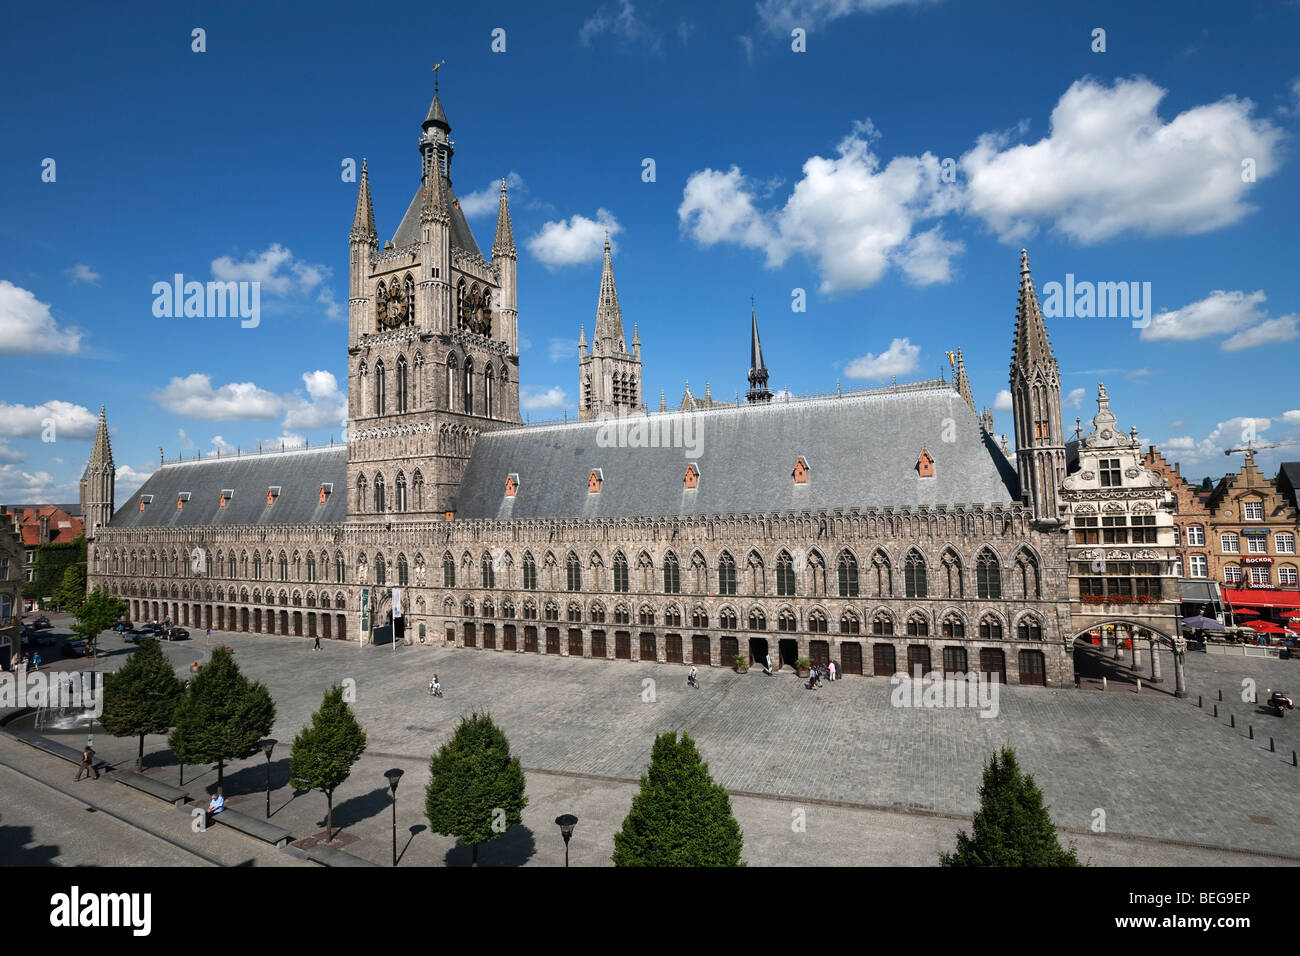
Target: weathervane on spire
436,67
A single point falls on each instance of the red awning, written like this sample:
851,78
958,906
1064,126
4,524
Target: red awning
1260,597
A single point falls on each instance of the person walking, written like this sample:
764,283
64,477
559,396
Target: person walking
692,678
87,765
317,647
207,639
830,669
768,669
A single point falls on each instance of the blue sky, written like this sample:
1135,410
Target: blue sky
775,170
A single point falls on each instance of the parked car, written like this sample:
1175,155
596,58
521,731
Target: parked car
133,636
179,634
41,622
77,648
123,626
46,640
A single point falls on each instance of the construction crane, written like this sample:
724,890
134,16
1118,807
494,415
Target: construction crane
1250,448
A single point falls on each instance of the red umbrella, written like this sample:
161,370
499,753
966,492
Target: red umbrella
1266,627
1244,611
1293,617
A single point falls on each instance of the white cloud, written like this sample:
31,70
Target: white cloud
1282,329
850,217
127,481
532,400
747,44
1111,165
326,406
286,441
1074,399
26,486
222,446
187,443
781,16
898,359
9,456
576,241
1292,417
27,327
1216,314
84,273
29,421
1002,401
621,22
194,397
483,201
561,350
1180,444
281,275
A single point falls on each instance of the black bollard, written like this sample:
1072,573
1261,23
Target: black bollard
1199,702
1232,720
1271,748
1220,695
1216,710
1252,731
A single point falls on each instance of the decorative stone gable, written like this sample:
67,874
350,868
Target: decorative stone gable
800,472
692,479
512,484
594,481
925,464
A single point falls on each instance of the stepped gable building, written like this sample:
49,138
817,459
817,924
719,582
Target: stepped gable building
884,529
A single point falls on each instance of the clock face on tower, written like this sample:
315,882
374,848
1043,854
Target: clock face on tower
393,307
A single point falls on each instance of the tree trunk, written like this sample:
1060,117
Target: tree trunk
475,863
221,775
139,760
329,816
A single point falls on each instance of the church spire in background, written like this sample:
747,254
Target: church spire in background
758,390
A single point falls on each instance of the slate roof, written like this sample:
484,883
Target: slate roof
461,236
862,451
299,475
1289,481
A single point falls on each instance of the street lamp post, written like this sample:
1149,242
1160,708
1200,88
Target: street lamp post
267,746
566,822
394,776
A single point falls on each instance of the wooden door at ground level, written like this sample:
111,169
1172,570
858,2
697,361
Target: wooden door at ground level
221,617
1032,670
508,640
851,658
530,638
297,623
284,622
257,620
954,660
598,645
311,623
490,636
884,660
341,631
673,648
730,650
819,652
622,646
918,660
648,650
469,635
700,650
552,640
243,619
575,642
325,627
993,664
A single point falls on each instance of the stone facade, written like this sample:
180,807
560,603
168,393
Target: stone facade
11,583
1252,531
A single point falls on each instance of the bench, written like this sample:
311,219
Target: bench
251,826
330,856
155,788
54,748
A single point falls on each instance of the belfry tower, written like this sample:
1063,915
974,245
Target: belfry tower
97,481
1036,406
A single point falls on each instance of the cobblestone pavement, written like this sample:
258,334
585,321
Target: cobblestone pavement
1158,767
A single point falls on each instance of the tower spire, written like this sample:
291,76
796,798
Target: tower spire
609,317
363,222
758,390
505,238
962,383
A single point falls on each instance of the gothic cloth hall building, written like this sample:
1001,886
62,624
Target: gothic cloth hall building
885,529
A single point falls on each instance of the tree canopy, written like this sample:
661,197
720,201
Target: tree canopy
324,753
142,697
224,716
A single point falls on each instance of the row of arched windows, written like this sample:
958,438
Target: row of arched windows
256,566
243,596
401,499
398,393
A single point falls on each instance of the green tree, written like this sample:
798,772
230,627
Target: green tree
142,697
49,564
680,817
1011,827
323,754
96,614
476,789
224,716
72,591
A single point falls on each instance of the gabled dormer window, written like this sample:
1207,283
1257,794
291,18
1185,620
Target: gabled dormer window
226,495
145,500
181,498
594,481
271,494
326,489
692,479
512,484
925,464
801,469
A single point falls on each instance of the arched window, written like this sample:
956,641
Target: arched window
451,382
917,625
786,620
448,571
726,574
882,624
646,616
620,572
361,493
849,623
914,576
673,616
883,572
573,573
408,287
784,575
699,617
379,494
257,566
990,628
460,306
953,625
1029,629
1030,586
230,564
488,573
488,382
401,383
575,612
552,611
757,620
381,569
672,575
727,619
417,487
468,395
988,576
338,568
848,574
817,621
311,567
381,395
530,572
403,577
